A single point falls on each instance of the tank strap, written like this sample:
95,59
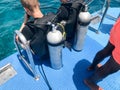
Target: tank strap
63,33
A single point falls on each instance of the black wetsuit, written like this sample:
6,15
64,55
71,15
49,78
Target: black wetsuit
36,31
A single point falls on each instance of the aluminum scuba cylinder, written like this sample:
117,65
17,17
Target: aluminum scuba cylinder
82,26
55,45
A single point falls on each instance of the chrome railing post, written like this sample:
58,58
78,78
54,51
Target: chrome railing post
26,45
107,2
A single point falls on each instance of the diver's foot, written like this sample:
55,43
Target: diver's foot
91,68
92,85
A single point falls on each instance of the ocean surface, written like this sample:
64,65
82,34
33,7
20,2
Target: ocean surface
11,18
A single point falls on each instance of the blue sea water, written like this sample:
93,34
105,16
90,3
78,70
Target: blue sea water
11,17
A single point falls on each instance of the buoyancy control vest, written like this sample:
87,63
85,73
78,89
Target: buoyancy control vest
39,29
69,12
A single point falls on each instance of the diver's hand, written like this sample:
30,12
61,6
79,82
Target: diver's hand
16,37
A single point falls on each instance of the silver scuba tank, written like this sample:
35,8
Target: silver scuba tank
82,26
55,46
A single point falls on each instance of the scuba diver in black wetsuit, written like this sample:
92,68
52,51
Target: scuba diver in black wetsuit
36,30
